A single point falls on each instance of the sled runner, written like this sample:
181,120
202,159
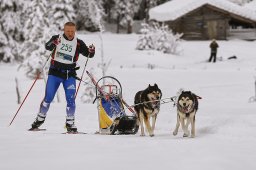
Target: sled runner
111,113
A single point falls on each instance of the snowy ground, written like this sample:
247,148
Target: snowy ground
225,126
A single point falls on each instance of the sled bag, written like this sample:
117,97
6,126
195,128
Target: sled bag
109,110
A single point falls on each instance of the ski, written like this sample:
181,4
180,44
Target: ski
36,129
74,133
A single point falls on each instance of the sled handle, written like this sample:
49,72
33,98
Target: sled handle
97,84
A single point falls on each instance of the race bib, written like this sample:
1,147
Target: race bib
65,51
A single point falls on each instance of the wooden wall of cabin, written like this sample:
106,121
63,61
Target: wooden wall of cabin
203,23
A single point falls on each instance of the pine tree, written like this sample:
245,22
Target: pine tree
108,6
149,4
145,5
61,11
87,12
10,30
37,31
124,12
145,41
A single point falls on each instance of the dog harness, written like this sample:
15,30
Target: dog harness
152,106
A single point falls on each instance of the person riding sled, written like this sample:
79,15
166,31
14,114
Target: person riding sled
65,52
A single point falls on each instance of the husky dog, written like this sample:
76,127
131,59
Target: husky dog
147,106
187,106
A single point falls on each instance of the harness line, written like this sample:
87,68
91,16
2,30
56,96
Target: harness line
172,99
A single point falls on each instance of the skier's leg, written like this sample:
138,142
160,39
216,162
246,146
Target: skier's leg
210,59
52,85
214,57
70,90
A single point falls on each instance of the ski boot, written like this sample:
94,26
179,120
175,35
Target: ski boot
70,125
38,122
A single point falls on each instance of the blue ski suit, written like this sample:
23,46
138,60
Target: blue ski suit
63,70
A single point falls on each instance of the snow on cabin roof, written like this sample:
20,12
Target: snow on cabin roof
251,5
174,9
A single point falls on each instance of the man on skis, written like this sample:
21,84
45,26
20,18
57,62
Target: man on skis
65,52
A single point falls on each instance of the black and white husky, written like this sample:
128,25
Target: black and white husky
187,106
147,106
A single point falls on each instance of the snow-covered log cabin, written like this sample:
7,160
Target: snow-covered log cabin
206,19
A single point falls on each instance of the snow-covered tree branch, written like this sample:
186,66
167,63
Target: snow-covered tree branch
159,37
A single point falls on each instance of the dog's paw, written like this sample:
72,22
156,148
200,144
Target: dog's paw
192,135
142,134
175,133
151,135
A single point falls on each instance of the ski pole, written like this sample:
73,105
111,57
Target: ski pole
80,79
37,77
128,107
95,83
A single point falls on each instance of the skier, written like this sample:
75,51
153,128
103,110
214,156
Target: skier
66,49
213,47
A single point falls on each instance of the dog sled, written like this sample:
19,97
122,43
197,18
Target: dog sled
111,112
